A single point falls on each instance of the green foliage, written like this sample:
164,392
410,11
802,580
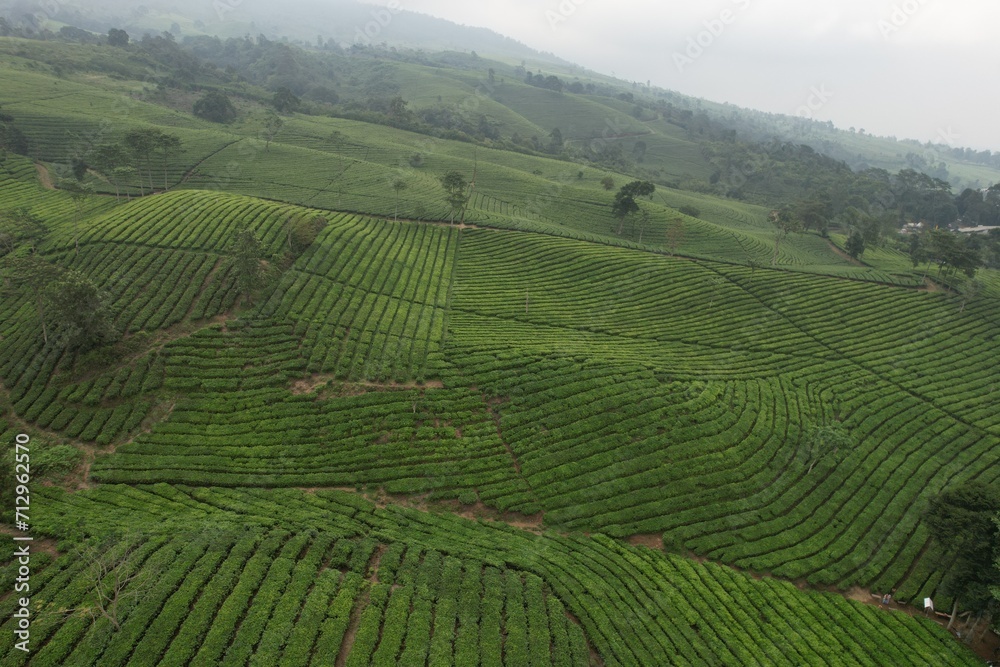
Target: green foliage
220,582
856,244
78,312
963,523
625,204
456,189
117,37
246,253
18,227
11,138
826,444
215,106
302,232
284,101
552,370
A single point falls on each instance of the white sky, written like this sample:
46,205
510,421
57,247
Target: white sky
921,69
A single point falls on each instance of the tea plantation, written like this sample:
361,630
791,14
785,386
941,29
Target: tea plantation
421,443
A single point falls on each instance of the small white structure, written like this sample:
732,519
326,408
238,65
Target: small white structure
928,606
982,229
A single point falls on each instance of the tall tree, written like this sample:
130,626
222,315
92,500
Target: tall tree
625,204
141,144
112,160
826,443
456,188
785,222
246,254
78,192
166,145
32,276
272,126
285,101
20,226
117,37
855,244
398,185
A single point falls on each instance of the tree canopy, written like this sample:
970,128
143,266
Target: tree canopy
963,523
216,107
456,187
625,204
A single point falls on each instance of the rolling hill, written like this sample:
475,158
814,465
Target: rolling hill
514,438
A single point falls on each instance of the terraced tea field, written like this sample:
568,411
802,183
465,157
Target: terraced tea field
423,443
327,578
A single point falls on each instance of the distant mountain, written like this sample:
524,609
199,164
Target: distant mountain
344,21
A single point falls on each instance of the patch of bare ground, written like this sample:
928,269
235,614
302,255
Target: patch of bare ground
44,177
328,386
352,629
440,223
38,544
529,522
651,540
933,287
843,255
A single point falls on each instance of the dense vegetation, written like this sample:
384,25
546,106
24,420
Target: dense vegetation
365,380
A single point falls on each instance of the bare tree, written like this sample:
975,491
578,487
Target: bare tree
116,575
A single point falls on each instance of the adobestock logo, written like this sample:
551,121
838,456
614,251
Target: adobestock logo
714,28
818,97
565,9
381,18
900,16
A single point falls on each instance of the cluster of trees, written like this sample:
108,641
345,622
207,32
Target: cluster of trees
550,82
248,258
71,310
978,207
952,253
138,154
964,523
11,138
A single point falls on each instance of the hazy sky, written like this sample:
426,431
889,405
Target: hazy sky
921,69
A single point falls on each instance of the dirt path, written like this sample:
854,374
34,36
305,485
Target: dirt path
843,255
312,383
933,287
44,177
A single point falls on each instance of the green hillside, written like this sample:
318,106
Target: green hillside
532,435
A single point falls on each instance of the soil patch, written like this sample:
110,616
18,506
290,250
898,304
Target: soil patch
44,177
843,255
651,540
331,387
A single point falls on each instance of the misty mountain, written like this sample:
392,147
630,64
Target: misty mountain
344,21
